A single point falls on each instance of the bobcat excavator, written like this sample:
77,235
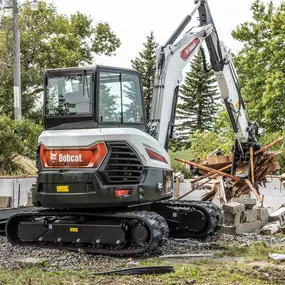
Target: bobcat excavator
104,182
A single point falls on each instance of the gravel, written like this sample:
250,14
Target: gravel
60,259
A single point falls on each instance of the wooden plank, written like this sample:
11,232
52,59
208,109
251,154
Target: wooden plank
269,146
209,169
211,173
254,191
177,188
222,189
251,164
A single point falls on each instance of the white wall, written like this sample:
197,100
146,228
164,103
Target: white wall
14,187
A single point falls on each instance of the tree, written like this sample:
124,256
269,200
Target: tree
17,137
261,65
48,40
198,102
108,104
145,64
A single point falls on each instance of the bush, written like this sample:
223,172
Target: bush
17,137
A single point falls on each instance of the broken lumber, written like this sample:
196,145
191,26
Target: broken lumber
209,169
269,146
254,191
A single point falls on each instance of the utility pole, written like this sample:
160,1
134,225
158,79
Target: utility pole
17,63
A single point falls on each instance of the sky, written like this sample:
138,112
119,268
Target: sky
133,20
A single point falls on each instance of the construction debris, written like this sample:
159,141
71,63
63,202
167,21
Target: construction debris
277,222
217,169
240,216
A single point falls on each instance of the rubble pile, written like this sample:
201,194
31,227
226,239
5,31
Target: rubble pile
265,163
248,177
241,215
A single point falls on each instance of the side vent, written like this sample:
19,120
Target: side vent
124,165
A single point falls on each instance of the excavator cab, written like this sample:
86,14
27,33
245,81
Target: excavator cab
93,97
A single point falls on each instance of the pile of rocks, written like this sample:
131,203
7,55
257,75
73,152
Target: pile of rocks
241,215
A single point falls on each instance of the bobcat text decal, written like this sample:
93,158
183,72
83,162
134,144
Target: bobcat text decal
188,50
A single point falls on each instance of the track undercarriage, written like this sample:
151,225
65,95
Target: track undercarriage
129,232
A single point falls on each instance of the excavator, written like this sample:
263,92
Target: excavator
105,182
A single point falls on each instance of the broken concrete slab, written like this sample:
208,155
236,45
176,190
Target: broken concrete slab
251,215
271,228
233,213
30,261
278,215
249,227
243,228
248,202
233,207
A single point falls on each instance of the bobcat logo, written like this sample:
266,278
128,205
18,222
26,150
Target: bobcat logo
53,157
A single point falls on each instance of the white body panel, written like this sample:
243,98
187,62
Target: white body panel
84,138
227,80
170,76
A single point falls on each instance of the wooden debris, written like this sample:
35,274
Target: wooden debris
209,169
262,163
254,191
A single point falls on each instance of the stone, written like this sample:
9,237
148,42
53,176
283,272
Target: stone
271,228
251,215
30,261
278,215
233,213
248,202
5,202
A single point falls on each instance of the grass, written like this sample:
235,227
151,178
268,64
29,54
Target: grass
231,266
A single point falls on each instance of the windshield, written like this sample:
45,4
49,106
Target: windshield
120,98
68,95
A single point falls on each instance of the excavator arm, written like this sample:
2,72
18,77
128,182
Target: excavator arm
171,60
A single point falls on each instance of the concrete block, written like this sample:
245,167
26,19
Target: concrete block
233,207
278,215
263,214
271,228
248,202
251,215
229,230
233,213
242,228
5,202
249,227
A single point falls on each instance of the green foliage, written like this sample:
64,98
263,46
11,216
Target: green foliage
198,103
202,144
17,137
261,65
48,40
145,64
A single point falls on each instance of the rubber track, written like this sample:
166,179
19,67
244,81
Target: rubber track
213,212
157,226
